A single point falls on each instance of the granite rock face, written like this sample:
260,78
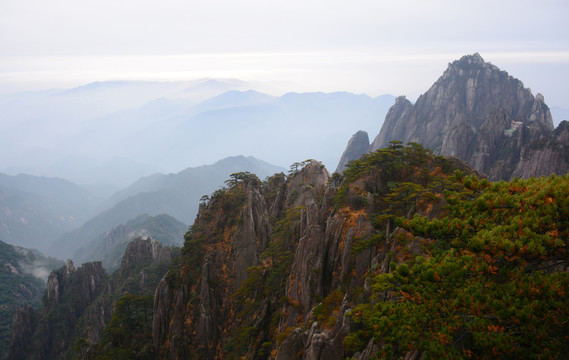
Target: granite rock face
69,293
78,303
482,115
547,156
400,109
357,146
200,310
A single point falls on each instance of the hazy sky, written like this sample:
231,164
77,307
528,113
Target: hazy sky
363,46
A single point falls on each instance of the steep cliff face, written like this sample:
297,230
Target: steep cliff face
23,275
78,303
357,146
251,235
68,294
391,124
546,156
477,113
196,306
270,270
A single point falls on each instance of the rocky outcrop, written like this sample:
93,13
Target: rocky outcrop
198,308
26,319
400,109
357,146
141,253
467,93
480,114
306,252
69,293
79,302
147,251
546,156
196,318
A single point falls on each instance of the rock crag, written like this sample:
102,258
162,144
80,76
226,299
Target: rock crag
304,256
482,115
357,146
78,303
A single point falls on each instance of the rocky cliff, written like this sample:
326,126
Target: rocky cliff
357,146
479,114
270,269
69,293
405,255
79,302
23,275
549,155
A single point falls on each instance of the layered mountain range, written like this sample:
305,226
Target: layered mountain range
479,114
149,127
171,200
34,211
406,254
64,219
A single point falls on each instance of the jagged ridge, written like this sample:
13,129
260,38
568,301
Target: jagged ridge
78,304
306,241
481,115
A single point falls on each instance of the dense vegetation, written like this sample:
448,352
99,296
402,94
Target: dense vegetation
474,269
491,281
454,266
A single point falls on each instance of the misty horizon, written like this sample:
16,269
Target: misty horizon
163,126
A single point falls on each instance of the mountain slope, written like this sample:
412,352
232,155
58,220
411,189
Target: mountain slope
405,255
177,195
272,253
69,197
110,246
37,210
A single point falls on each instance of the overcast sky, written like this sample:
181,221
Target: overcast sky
362,46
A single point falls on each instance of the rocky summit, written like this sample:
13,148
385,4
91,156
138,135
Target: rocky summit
482,115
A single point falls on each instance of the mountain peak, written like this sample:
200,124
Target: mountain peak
357,146
472,59
474,111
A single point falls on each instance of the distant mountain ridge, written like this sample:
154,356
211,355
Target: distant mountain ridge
149,127
110,246
176,195
35,210
246,121
480,114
